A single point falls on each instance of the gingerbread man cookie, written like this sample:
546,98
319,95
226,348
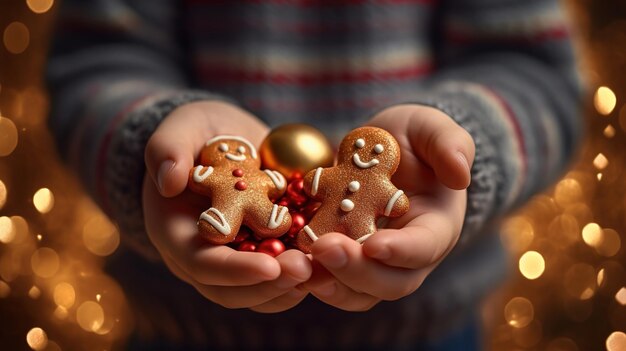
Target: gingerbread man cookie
358,190
240,192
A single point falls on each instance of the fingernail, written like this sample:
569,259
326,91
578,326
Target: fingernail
334,257
164,169
326,290
461,157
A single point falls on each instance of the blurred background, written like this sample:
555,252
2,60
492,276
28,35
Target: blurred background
567,284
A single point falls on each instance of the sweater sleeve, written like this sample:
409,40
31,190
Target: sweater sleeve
508,75
114,73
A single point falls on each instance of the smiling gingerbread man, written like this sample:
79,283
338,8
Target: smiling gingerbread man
358,190
240,192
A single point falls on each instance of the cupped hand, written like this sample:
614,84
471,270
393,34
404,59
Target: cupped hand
434,171
225,276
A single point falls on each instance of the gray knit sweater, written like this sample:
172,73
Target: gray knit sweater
502,69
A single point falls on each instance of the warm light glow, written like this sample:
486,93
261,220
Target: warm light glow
5,289
599,176
562,344
60,312
100,236
39,6
616,341
7,231
600,278
532,265
45,262
610,244
90,316
604,100
580,281
609,131
519,312
517,233
600,162
3,193
34,292
592,234
8,136
567,191
43,200
16,37
39,237
64,295
98,297
20,226
37,339
620,296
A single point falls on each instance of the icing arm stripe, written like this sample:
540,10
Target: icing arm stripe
276,218
393,201
316,180
276,178
222,227
199,177
310,233
357,161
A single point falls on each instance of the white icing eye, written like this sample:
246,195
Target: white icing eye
378,148
241,149
223,147
359,143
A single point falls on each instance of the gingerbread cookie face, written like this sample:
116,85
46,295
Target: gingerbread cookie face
239,191
358,190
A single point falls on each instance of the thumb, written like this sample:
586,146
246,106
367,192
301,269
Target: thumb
445,146
170,151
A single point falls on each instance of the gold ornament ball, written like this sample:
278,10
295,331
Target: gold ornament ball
295,147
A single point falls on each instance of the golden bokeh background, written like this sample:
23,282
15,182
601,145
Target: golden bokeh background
567,286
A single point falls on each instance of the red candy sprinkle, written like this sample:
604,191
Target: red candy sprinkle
241,185
297,223
238,172
272,247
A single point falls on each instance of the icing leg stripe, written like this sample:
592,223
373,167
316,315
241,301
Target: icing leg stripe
276,218
310,233
363,238
222,227
277,178
199,177
316,180
392,202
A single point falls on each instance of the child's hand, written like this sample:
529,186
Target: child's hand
230,278
434,172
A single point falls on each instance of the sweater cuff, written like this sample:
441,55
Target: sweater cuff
496,173
125,166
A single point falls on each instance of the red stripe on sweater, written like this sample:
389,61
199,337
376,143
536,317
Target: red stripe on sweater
220,75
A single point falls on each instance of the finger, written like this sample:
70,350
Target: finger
344,258
258,294
445,146
283,302
339,295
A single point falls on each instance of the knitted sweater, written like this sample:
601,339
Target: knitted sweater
502,69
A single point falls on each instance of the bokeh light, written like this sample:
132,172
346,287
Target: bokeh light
8,136
620,296
592,234
3,194
604,100
532,265
600,162
580,281
609,131
7,231
519,312
610,244
34,292
43,200
616,341
64,295
567,192
45,262
16,37
39,6
517,233
37,339
100,236
90,316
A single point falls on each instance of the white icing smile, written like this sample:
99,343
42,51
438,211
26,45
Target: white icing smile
233,157
357,161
